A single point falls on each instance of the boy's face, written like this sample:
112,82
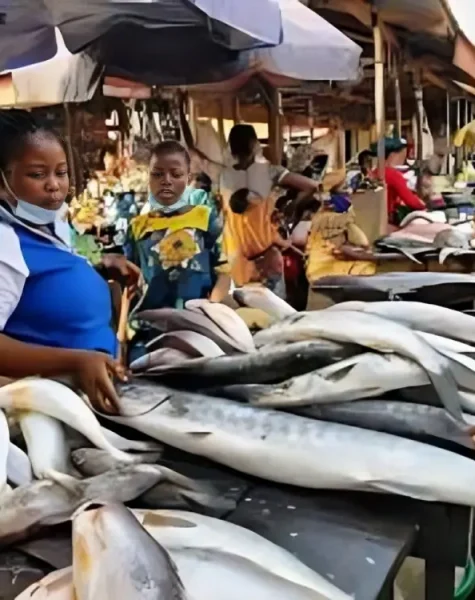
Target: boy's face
169,176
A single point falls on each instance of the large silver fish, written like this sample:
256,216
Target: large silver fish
375,333
174,491
305,452
29,508
258,296
273,363
114,557
442,289
367,375
225,318
171,319
59,402
400,418
417,315
190,343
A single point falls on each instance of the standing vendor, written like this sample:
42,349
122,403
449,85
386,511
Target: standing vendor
55,309
177,245
401,199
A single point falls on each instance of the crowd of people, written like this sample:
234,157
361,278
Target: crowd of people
55,306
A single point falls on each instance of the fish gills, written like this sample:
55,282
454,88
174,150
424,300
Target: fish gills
114,557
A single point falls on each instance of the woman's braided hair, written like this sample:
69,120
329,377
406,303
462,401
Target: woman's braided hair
16,128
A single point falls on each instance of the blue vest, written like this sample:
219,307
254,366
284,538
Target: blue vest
65,303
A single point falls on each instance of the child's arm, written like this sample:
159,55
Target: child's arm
219,261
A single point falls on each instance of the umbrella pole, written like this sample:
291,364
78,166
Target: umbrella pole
379,90
449,135
236,110
275,126
419,97
397,100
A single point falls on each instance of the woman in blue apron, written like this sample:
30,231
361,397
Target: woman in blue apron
55,309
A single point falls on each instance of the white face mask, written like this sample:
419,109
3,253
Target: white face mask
29,212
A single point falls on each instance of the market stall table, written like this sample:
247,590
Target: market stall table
358,540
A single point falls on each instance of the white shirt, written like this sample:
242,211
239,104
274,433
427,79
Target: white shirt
13,269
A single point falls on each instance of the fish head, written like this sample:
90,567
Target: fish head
114,556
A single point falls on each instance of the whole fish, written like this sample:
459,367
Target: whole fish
19,470
46,443
160,357
400,418
77,440
274,363
258,296
114,557
375,333
59,402
57,585
30,508
417,315
368,375
225,318
443,344
176,530
296,450
4,451
442,289
172,491
172,319
190,343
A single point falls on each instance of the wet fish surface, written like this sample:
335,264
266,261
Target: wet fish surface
114,557
173,490
171,319
19,470
269,444
430,318
375,333
260,297
399,418
367,375
29,508
273,363
190,343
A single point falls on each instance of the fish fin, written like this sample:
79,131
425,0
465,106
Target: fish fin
445,385
66,481
155,519
199,500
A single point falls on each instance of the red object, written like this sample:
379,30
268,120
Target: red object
293,265
399,193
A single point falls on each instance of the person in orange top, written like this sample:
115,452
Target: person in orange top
400,198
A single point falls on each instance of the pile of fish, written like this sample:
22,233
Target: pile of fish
174,555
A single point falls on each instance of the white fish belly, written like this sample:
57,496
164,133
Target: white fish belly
305,452
46,442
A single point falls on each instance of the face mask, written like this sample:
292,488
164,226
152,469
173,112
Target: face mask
167,210
29,212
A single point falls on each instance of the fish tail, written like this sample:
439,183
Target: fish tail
446,389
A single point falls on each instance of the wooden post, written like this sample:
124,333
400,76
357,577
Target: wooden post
221,132
235,110
69,148
397,101
448,132
275,126
419,97
379,90
192,116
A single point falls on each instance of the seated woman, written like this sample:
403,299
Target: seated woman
55,309
176,245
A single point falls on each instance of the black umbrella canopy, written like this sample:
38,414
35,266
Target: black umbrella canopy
160,41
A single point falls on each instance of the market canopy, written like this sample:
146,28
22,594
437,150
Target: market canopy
217,30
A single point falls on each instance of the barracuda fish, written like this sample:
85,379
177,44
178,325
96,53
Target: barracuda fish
273,363
299,451
442,289
368,375
172,491
417,315
32,507
375,333
59,402
172,319
400,418
114,557
257,296
225,318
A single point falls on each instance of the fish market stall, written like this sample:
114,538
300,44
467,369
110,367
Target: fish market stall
341,441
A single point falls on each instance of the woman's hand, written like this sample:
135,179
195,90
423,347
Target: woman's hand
119,262
93,372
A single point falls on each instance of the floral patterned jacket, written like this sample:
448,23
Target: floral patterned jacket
179,255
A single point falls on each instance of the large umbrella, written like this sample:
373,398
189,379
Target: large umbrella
111,27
